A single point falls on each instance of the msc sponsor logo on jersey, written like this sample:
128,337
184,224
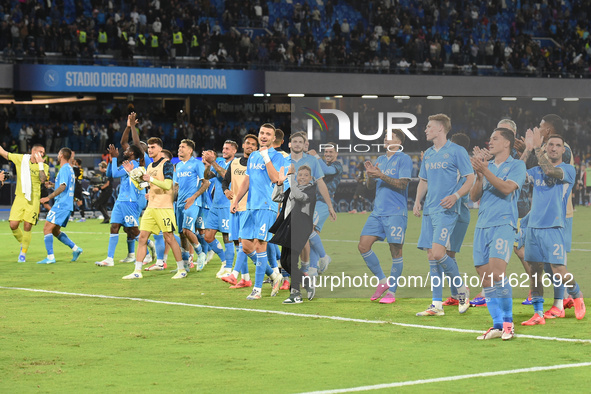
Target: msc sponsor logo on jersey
436,165
184,174
258,166
391,171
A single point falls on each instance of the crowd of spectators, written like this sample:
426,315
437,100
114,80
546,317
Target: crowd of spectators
370,36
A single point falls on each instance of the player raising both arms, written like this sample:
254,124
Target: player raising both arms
31,172
440,183
497,186
390,176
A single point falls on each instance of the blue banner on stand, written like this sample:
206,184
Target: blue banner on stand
96,79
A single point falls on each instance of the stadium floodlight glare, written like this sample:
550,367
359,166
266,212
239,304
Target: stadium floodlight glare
296,95
369,96
434,97
571,99
539,99
338,96
509,98
259,95
402,97
268,94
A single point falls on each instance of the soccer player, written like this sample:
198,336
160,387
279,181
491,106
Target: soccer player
273,249
159,215
233,179
440,183
497,186
61,210
261,173
298,157
31,172
546,237
218,218
549,125
126,211
333,170
189,186
390,176
457,236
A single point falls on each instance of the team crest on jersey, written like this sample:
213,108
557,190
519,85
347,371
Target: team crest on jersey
446,156
506,170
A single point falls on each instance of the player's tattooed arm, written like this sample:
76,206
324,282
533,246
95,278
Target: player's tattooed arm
547,167
397,183
55,193
221,172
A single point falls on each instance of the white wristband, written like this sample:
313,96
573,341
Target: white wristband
265,155
41,168
457,195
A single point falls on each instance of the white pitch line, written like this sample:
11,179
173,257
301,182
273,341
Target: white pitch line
283,313
450,378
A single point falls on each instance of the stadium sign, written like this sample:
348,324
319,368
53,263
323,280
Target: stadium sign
93,79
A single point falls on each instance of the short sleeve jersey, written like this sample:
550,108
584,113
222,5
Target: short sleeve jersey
260,186
65,200
390,200
440,168
188,175
550,196
127,191
497,209
17,159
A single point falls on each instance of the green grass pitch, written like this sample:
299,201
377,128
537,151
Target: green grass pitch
69,342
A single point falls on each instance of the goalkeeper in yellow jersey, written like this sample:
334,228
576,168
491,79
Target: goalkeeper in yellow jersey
31,172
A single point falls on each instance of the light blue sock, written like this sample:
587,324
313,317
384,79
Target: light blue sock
373,263
178,238
216,246
48,243
450,268
436,280
557,282
395,272
185,255
271,255
262,264
454,291
160,245
241,263
113,240
253,257
505,297
204,246
229,254
574,290
65,240
284,273
316,244
313,258
538,303
131,245
492,303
